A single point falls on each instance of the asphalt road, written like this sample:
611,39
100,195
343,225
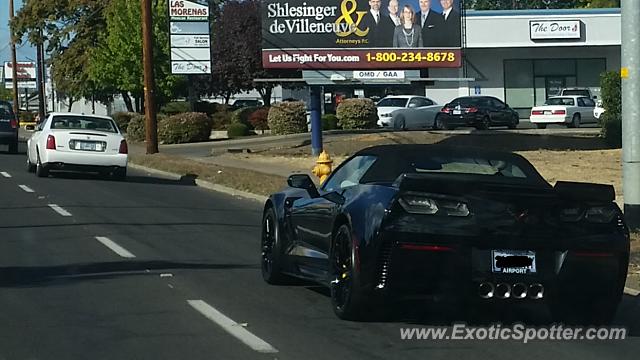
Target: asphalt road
153,268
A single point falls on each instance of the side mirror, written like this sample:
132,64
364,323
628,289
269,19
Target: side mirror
30,128
303,181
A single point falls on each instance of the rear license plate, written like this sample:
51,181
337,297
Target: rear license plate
86,146
513,262
457,112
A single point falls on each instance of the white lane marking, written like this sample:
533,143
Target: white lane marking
5,174
115,247
232,327
59,210
26,188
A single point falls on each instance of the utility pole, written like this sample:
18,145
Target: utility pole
149,83
39,78
630,73
14,65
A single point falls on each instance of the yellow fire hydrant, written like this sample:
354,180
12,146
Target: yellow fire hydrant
323,166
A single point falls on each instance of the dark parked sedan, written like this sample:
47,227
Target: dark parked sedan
451,223
480,112
8,127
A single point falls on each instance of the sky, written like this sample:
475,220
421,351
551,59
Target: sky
23,51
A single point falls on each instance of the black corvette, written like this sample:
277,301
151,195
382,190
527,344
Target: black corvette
407,221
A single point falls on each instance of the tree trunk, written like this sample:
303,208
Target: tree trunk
265,93
227,97
138,107
71,101
127,101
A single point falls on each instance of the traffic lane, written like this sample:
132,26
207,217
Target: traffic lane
77,275
101,314
244,296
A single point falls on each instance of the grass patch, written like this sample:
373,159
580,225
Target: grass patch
240,179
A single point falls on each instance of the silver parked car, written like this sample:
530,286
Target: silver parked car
402,112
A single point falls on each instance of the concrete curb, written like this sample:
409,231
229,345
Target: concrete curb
203,183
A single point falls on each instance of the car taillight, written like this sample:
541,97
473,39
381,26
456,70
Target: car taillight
124,149
472,110
14,124
445,110
559,112
537,112
51,143
424,205
595,214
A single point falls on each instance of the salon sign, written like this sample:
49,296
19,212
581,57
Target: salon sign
554,29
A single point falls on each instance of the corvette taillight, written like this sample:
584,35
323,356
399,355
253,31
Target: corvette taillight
594,214
51,142
124,149
425,205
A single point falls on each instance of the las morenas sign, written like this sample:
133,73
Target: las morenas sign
357,34
187,10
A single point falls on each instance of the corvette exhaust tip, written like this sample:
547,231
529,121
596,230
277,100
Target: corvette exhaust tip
503,291
486,290
519,291
536,291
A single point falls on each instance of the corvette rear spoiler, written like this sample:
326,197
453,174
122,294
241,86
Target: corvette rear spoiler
448,184
585,191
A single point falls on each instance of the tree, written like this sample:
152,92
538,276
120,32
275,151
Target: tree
5,94
117,59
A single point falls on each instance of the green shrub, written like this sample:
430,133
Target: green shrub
221,120
184,128
122,119
329,122
237,129
611,119
259,119
136,131
242,115
288,118
26,116
176,107
357,114
136,128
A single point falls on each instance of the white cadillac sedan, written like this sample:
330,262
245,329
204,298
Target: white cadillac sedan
76,142
565,110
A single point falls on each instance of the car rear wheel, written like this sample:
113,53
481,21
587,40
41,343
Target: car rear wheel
31,167
41,170
484,124
270,260
347,295
541,126
575,121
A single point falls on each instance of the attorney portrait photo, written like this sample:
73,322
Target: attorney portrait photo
408,34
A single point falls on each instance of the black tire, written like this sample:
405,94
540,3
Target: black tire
41,170
347,294
575,121
120,174
271,256
31,167
438,124
587,310
484,124
541,126
13,147
515,120
399,123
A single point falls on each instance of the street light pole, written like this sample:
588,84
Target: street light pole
14,65
39,77
630,74
149,83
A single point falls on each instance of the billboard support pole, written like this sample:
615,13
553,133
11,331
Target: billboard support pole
316,121
631,112
14,66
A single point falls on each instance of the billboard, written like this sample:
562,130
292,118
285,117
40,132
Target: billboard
190,38
361,34
26,75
